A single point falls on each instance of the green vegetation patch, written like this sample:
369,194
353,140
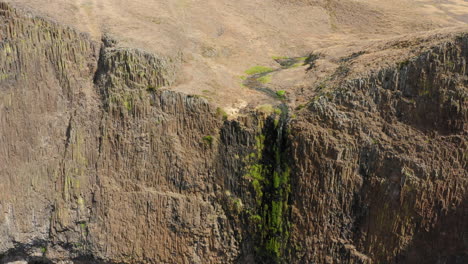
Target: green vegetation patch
268,172
208,140
281,93
299,64
128,105
221,113
279,57
264,79
267,109
258,69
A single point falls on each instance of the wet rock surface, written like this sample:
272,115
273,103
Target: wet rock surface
100,164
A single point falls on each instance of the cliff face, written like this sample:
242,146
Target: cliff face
98,164
386,170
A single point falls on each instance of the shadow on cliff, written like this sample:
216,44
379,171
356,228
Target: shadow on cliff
445,243
22,252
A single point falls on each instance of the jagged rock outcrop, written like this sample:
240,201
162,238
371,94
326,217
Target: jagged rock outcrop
387,165
99,164
102,164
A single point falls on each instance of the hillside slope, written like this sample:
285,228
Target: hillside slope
219,40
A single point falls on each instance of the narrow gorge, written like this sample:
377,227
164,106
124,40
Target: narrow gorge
101,163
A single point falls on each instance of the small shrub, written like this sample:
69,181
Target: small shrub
281,93
208,140
221,113
310,60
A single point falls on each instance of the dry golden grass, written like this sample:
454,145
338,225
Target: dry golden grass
221,39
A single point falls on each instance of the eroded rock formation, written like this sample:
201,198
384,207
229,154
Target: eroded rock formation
98,164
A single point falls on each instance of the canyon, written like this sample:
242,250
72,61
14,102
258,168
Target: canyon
363,160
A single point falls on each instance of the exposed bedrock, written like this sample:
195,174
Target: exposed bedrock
99,163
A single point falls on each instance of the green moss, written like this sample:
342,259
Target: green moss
273,247
238,205
258,188
258,69
128,105
269,176
208,140
256,218
276,122
259,143
43,250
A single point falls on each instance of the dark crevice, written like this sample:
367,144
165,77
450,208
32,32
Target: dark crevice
269,175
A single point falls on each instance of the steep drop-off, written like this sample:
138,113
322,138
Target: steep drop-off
99,164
